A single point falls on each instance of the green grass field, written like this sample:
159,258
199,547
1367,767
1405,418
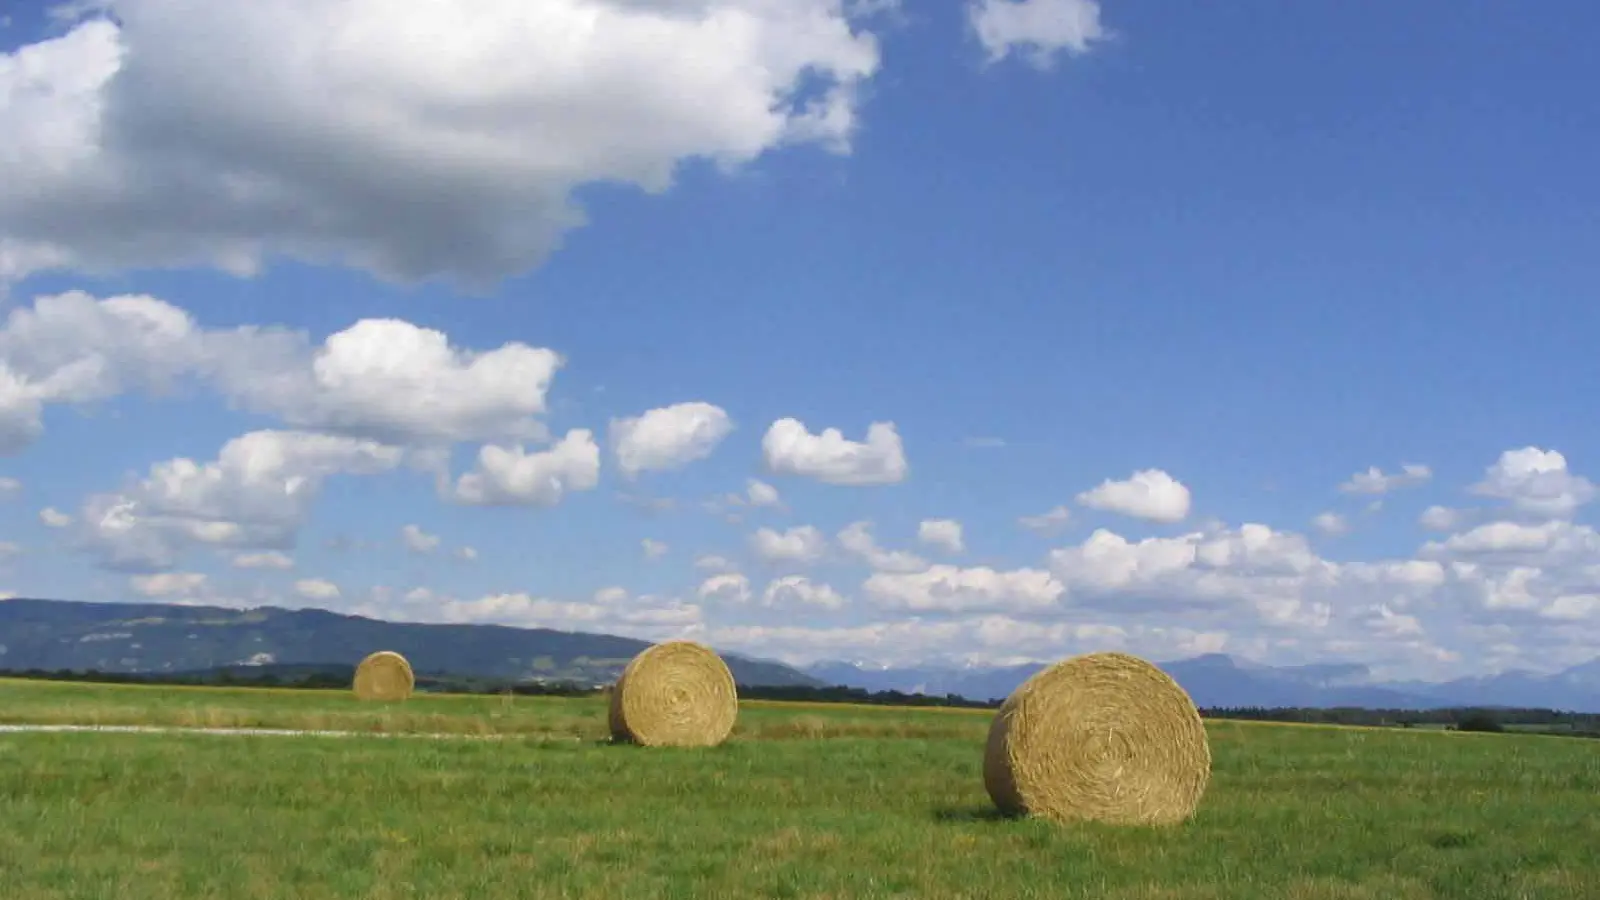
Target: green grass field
803,802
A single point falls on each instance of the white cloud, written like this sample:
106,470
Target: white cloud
54,518
1441,518
942,533
653,549
611,611
510,476
9,488
712,562
270,559
669,437
9,550
1040,28
798,591
727,587
803,544
1536,482
316,589
467,554
759,493
856,539
413,141
1149,494
1330,523
1374,481
789,449
168,584
256,494
417,540
1047,522
380,379
945,588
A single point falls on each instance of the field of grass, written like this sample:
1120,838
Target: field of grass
804,802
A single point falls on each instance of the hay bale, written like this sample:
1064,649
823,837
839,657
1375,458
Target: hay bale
384,675
674,694
1104,737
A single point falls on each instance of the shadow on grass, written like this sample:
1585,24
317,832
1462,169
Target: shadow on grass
966,814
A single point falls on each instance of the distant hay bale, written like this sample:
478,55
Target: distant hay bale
1103,737
384,675
674,694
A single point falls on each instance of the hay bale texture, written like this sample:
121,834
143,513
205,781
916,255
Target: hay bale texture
384,675
1103,737
674,694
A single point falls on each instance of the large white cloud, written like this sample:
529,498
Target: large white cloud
788,448
1536,482
383,379
669,437
1147,494
411,140
257,493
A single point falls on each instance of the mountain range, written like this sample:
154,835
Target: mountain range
171,638
1217,680
163,638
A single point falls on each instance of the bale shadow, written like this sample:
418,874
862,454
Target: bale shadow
961,815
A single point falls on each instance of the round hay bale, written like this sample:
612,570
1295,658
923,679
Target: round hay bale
674,694
384,675
1103,737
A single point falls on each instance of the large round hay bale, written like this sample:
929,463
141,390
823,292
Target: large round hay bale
674,694
1103,737
384,675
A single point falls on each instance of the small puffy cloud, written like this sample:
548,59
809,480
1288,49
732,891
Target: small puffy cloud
1047,522
803,545
417,540
1041,29
856,539
9,550
944,534
54,518
511,476
759,493
1374,481
186,132
316,589
653,549
788,448
1330,523
9,488
668,438
798,591
1536,482
270,559
727,587
943,588
711,562
1441,518
168,584
1150,494
466,554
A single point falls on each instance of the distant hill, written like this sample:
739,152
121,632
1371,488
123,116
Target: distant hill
1216,680
172,638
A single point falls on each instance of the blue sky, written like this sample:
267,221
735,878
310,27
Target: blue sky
1176,271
